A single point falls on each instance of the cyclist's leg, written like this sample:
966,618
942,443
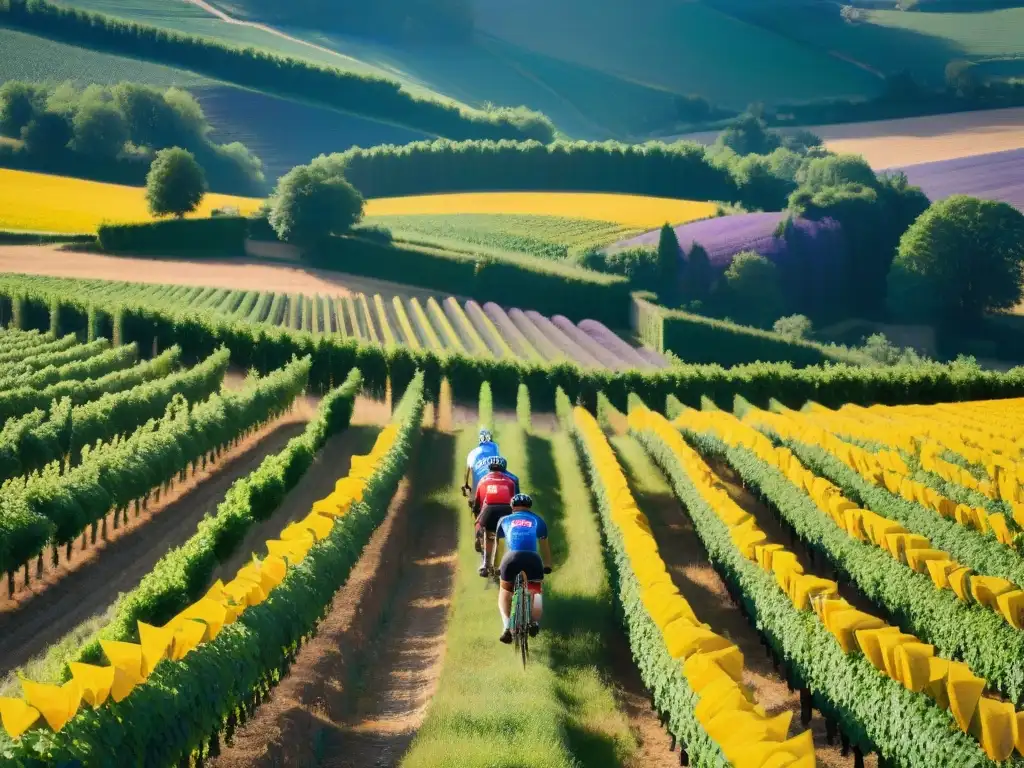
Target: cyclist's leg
505,591
535,573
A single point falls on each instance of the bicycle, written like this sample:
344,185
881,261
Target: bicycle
521,617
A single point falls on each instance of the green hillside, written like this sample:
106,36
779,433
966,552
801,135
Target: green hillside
281,132
27,57
576,65
685,47
891,41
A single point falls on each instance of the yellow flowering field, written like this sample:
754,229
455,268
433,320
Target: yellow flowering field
39,202
628,210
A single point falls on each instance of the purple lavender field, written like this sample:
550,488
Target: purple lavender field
993,176
809,256
726,236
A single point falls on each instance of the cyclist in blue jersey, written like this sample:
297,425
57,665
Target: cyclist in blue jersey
526,539
476,461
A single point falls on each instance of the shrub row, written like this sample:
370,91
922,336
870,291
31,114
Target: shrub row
699,339
265,348
182,575
185,705
34,345
114,475
974,633
662,674
99,361
549,287
663,170
874,711
42,238
34,362
216,236
978,551
251,67
22,400
33,441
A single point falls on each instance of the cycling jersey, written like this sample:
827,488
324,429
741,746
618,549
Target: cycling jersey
482,467
489,448
495,488
521,531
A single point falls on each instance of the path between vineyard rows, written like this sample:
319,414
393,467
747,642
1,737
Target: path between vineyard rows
358,692
63,601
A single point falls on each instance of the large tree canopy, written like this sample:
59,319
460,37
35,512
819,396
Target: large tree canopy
961,258
175,184
312,202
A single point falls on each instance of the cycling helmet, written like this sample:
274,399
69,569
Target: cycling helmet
497,464
485,436
522,500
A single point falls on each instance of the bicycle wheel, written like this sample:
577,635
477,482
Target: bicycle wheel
523,616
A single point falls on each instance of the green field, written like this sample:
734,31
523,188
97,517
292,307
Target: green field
684,47
550,237
607,72
891,41
27,57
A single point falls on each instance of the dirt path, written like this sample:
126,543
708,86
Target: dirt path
238,274
359,690
697,580
89,583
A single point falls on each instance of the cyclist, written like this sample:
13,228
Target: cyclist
526,538
476,460
495,464
493,500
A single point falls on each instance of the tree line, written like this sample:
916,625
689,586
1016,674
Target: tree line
369,96
111,133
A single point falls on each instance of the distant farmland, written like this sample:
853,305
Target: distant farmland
994,176
286,133
684,47
27,57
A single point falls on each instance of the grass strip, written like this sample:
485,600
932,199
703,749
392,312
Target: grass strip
560,711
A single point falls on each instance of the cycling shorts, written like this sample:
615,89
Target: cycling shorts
514,562
491,514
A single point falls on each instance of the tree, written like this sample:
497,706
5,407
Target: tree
697,275
175,183
47,135
670,265
961,78
100,130
312,202
752,293
836,170
19,104
793,326
874,214
748,135
961,258
760,186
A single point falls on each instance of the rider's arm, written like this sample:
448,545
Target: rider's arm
545,552
465,482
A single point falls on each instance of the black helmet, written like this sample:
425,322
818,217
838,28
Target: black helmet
522,500
497,464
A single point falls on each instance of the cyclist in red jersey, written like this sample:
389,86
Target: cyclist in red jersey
492,502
